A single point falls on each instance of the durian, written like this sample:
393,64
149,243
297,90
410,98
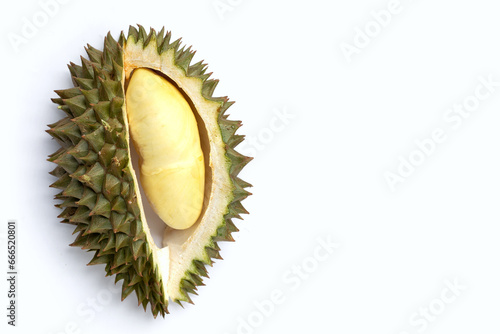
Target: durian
142,90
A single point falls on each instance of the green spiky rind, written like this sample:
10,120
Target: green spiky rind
235,161
94,100
92,172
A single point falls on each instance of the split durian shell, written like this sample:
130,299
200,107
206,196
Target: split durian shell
100,191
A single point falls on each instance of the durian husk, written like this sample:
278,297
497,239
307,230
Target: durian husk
99,189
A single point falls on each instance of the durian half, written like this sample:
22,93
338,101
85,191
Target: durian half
143,86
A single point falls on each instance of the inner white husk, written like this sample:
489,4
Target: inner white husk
181,247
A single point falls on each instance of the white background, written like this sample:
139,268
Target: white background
319,171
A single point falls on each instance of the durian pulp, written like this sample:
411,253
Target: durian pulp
165,133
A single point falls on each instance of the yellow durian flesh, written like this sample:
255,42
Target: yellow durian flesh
165,134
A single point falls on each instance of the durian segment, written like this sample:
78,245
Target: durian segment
99,189
165,134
